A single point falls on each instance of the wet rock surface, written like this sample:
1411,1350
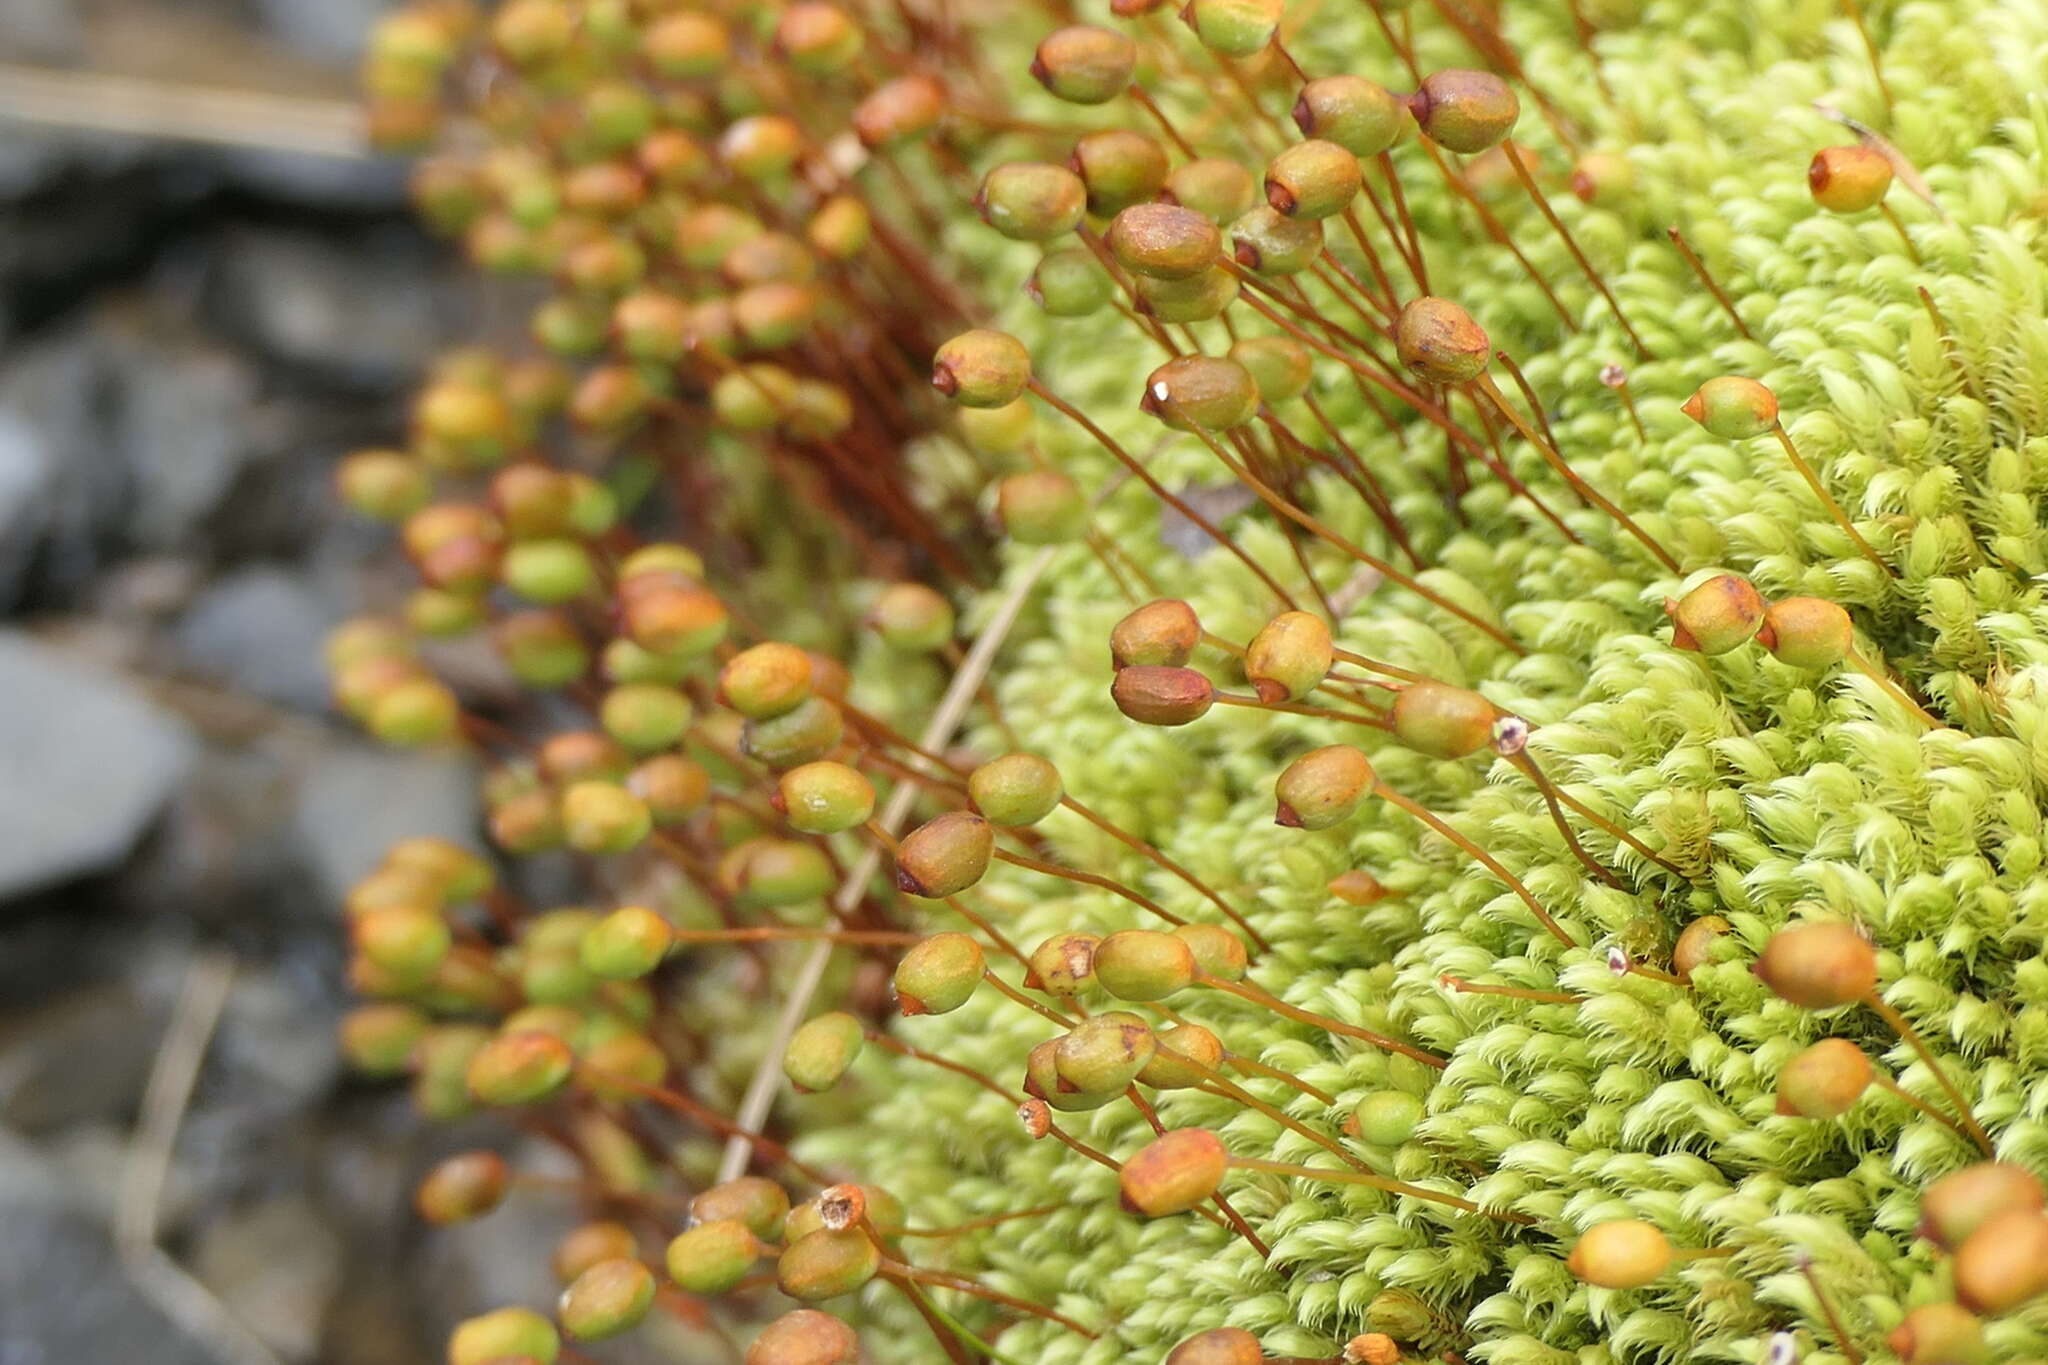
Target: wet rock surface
189,338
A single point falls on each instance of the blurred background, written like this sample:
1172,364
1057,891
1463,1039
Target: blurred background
190,334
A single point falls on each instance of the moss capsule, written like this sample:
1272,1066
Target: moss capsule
1064,964
1015,790
1807,632
713,1256
1443,721
1141,965
1732,407
1174,1172
1041,507
939,974
1725,612
1960,1202
1281,366
1082,64
1362,117
1267,242
609,1298
1939,1334
805,1337
1119,167
1162,696
1624,1254
1849,179
1388,1118
1289,657
1104,1053
824,797
465,1186
1233,28
1201,393
982,369
2004,1263
1070,283
1312,179
1818,965
766,681
754,1200
519,1068
504,1333
1161,634
1031,201
1465,111
945,855
626,944
1218,188
1824,1081
1165,241
1439,341
899,111
1323,787
825,1264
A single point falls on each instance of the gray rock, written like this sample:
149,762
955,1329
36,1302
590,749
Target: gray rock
351,312
26,475
259,631
181,429
330,31
42,1085
85,763
275,1266
358,802
64,1297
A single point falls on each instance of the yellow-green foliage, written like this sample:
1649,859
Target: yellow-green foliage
1783,794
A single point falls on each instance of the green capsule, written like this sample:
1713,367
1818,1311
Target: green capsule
1064,964
1041,507
519,1068
1195,299
1082,64
1217,950
913,618
1268,242
1732,407
1387,1118
1031,201
626,944
938,975
1233,28
1312,179
1187,1056
803,734
825,1264
1141,965
766,681
645,716
609,1298
504,1334
1219,189
1201,393
712,1257
1362,117
1104,1053
1070,283
1119,168
754,1200
603,817
1015,790
1281,366
1289,657
821,1050
824,797
982,369
1323,787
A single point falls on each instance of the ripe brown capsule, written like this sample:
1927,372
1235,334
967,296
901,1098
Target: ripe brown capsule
1439,341
1162,696
1174,1172
1161,634
1624,1254
2004,1263
1217,950
466,1185
1372,1348
1165,241
945,855
899,111
1323,787
1824,1081
805,1337
1083,64
1217,1346
1849,179
1696,944
1723,613
1465,111
1818,965
1959,1203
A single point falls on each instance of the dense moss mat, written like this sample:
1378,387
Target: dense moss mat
1781,794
